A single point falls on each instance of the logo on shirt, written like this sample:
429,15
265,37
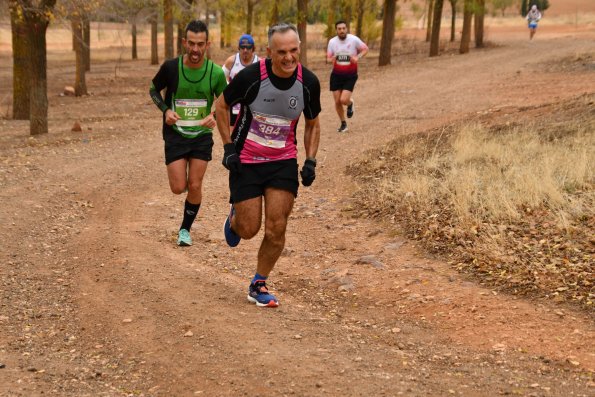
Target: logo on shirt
293,102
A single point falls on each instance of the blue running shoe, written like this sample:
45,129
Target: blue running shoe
258,293
184,239
231,238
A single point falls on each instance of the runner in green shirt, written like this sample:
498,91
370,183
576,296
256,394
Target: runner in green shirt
191,83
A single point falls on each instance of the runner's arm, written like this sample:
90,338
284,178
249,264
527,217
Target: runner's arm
226,71
330,53
311,137
159,82
227,67
242,89
157,98
362,50
170,117
312,109
222,116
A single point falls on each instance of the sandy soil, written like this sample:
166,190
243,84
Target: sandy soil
97,300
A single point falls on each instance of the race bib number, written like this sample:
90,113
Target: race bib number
343,59
269,131
191,111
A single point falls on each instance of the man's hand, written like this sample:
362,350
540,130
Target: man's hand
208,121
308,172
171,117
231,160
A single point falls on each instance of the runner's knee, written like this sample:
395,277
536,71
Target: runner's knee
275,229
275,236
195,185
246,231
177,188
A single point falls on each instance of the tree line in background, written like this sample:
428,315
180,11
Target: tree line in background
368,19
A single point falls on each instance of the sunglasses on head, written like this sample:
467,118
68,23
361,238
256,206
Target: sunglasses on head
246,47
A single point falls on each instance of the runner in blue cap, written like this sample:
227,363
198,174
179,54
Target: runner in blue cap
232,66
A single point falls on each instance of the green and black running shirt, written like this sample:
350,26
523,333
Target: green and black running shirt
190,93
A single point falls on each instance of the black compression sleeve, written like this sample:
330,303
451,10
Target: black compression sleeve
157,98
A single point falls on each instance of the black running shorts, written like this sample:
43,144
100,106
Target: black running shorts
339,82
253,179
197,148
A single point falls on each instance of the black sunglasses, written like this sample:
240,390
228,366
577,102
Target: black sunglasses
246,47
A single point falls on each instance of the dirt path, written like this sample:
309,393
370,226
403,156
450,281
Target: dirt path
96,299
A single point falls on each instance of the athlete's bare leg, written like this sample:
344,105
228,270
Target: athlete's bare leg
278,204
184,175
346,97
338,105
248,217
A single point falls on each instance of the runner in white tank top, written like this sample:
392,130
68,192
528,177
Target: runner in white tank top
235,63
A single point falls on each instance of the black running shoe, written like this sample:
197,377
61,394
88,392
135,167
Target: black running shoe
350,110
342,127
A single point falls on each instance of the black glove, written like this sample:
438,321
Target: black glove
308,172
231,160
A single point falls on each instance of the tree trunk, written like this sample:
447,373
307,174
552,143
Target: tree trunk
524,7
185,16
302,30
179,46
435,41
222,23
228,32
80,86
479,18
467,18
20,64
37,25
430,19
154,43
168,28
388,32
330,21
347,11
453,19
249,15
134,49
274,13
361,9
87,42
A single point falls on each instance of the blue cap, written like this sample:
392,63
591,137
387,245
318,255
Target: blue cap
246,39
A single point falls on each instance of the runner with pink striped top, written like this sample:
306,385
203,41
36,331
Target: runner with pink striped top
261,152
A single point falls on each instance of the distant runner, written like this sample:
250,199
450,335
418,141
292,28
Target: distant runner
237,62
344,50
533,16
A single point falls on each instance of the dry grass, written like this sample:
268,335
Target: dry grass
511,204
